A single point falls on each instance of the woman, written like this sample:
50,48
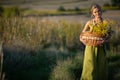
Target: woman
94,65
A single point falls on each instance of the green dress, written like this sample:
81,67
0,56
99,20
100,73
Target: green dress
94,65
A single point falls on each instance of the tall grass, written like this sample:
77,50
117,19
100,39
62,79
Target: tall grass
1,61
40,33
69,69
26,41
38,49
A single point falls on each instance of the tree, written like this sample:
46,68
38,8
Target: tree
115,3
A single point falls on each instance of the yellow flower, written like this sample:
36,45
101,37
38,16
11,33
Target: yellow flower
101,29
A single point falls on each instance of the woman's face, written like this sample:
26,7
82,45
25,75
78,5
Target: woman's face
97,13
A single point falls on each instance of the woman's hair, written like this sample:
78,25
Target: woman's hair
95,6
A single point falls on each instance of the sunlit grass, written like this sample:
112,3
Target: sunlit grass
42,33
37,48
38,32
51,12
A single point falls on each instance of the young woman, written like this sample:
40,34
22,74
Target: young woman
94,65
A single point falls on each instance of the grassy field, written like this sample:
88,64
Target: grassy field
53,4
43,50
48,47
49,9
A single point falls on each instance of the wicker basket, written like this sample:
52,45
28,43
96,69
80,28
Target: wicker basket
91,39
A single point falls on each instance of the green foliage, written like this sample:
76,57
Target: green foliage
115,3
60,34
77,9
113,66
69,69
2,75
24,38
106,4
1,10
37,49
61,8
10,11
21,63
26,64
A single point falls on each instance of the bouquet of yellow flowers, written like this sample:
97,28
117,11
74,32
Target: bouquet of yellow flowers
97,34
102,29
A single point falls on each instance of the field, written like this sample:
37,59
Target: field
53,4
48,47
110,14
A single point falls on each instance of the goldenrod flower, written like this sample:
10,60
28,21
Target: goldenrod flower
101,29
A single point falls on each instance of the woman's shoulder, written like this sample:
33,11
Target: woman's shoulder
89,22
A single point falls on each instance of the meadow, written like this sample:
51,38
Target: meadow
36,49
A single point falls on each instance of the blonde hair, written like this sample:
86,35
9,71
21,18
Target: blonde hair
95,6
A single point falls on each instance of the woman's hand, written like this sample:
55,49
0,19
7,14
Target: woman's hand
107,37
82,40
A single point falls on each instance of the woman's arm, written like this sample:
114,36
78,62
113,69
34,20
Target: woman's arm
86,28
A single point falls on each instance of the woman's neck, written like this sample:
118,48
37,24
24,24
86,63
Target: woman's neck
98,20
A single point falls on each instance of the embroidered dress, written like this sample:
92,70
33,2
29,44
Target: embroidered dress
94,65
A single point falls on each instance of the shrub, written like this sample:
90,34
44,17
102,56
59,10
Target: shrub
61,8
113,66
77,9
1,61
69,69
21,63
10,11
1,10
106,5
115,3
